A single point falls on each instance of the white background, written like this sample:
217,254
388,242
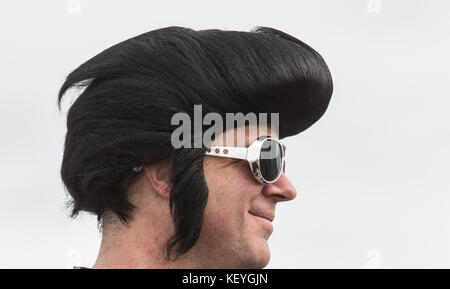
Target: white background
372,174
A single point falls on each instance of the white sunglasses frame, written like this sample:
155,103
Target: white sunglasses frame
251,154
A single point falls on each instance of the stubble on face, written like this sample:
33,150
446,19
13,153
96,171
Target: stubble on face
229,232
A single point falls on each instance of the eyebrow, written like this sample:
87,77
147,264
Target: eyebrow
248,142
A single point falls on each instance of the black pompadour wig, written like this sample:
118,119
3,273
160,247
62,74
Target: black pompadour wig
122,119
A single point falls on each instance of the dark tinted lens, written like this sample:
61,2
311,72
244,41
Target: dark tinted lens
270,160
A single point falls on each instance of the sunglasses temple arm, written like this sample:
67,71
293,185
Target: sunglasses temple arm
239,153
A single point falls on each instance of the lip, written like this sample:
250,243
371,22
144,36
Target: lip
268,217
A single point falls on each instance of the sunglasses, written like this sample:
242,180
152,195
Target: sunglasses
265,155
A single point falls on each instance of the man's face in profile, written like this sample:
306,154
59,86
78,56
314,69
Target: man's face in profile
237,219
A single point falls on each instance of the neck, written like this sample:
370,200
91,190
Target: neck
140,245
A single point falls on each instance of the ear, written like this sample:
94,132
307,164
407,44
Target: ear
158,176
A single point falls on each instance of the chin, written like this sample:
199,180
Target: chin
258,256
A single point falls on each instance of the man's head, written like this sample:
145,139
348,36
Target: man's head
209,211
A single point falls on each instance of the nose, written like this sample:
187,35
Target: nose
280,191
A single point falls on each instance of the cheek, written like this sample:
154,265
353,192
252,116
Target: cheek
231,189
229,200
226,204
227,185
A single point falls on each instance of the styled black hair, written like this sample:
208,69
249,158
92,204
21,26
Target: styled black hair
122,119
